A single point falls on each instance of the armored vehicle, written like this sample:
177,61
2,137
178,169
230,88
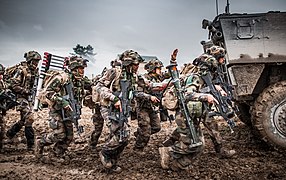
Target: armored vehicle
256,68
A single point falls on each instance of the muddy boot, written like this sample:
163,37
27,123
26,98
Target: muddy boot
115,169
14,129
106,162
168,142
56,159
165,157
224,153
29,133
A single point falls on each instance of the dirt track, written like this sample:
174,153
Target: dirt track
253,159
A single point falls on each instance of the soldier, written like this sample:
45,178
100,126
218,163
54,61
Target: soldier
109,89
195,85
181,149
148,112
22,84
3,88
218,54
60,108
97,118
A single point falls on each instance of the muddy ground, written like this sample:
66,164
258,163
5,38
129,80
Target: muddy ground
253,160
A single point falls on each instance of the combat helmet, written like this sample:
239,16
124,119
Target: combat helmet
153,64
32,55
206,62
216,51
75,62
130,57
2,69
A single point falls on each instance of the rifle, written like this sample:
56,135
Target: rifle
179,92
32,97
223,101
8,100
74,116
122,116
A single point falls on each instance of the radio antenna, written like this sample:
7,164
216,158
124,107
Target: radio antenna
216,3
227,7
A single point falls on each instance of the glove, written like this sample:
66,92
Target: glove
53,124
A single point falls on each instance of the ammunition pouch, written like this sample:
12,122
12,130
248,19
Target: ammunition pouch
195,108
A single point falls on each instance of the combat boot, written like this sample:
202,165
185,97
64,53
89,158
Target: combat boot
106,162
223,152
227,153
56,159
29,133
115,169
165,157
169,142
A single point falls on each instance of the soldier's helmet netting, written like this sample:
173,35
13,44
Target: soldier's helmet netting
2,69
153,64
32,55
73,63
129,57
207,62
216,51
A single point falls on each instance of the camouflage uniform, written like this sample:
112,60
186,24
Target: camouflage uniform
108,86
62,134
179,151
97,119
196,92
147,112
22,84
3,88
210,123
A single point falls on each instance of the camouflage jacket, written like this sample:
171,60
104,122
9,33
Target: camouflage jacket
56,90
23,80
109,84
154,81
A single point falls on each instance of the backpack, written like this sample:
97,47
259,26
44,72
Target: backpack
50,76
11,71
170,100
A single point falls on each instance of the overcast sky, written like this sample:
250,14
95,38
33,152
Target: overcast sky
150,27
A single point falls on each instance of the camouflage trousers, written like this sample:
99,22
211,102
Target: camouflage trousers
182,153
115,143
148,123
211,126
26,120
2,129
98,123
62,134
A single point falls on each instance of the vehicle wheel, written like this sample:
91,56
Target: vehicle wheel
269,114
244,113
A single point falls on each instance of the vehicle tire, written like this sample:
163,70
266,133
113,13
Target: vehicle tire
269,115
244,113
